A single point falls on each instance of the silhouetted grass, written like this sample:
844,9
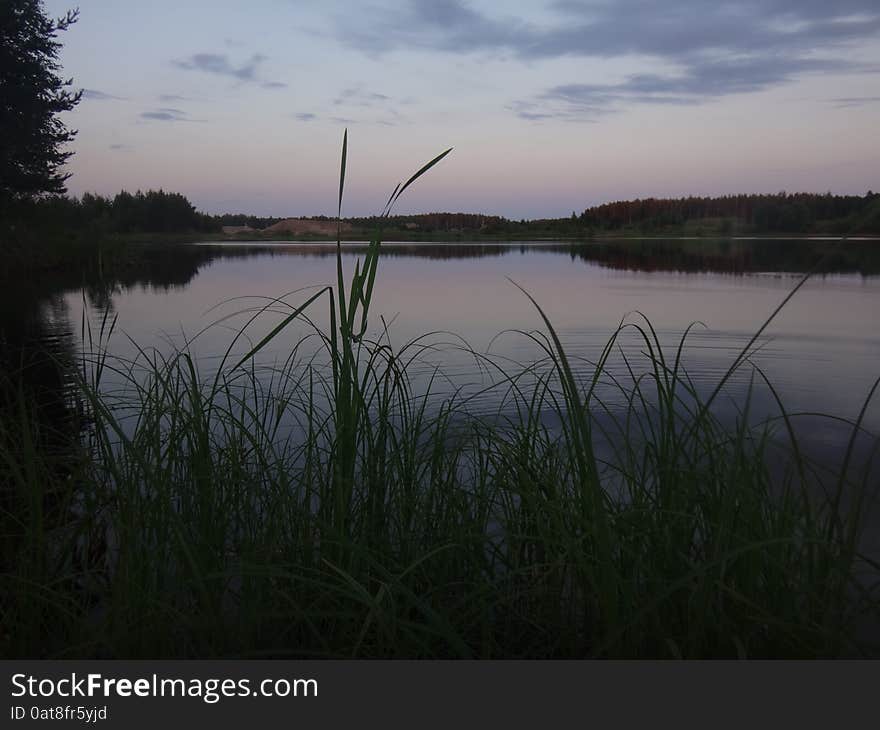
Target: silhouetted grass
325,508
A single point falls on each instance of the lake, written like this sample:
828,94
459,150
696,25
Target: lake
822,352
460,303
459,311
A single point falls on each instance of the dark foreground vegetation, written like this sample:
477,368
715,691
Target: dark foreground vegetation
324,508
328,510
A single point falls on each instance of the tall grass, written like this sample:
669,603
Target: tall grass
332,510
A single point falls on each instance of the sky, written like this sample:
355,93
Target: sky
551,107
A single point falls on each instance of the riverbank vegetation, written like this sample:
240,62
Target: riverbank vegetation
323,507
60,231
333,505
329,506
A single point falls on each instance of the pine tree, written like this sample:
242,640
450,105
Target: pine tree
32,95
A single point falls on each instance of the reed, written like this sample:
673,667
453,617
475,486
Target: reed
322,507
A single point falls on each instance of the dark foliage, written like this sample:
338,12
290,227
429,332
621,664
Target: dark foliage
244,219
32,95
433,222
780,212
154,211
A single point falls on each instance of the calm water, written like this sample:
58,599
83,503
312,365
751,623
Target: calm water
822,352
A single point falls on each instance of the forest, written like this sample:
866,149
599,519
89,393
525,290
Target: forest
778,213
55,231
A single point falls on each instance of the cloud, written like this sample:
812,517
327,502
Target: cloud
603,28
219,64
720,48
694,85
854,101
543,110
96,95
163,116
306,117
357,96
168,114
447,25
274,85
354,102
171,98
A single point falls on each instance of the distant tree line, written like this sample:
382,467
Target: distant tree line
780,212
433,222
154,211
243,219
774,213
157,211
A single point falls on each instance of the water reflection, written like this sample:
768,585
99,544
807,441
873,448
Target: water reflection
821,352
734,256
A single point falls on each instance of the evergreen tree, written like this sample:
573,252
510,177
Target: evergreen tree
32,95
